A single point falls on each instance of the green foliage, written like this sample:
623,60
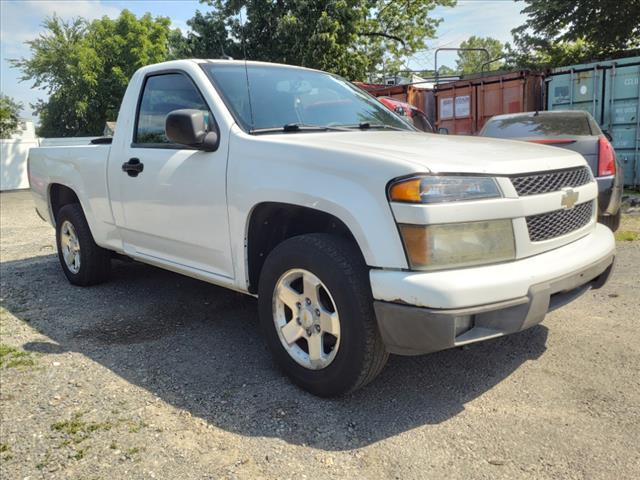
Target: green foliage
552,55
444,71
563,32
627,236
347,37
76,430
9,116
11,357
85,67
471,62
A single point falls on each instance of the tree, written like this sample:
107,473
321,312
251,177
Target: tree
9,116
472,61
444,71
85,67
551,55
348,37
560,32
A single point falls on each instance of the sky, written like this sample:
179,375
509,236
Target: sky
21,21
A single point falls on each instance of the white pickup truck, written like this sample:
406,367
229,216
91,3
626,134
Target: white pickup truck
359,235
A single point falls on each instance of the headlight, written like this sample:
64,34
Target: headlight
434,189
435,247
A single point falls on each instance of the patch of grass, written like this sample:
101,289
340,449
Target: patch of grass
5,450
44,462
113,446
11,357
79,455
630,222
77,430
133,452
136,427
627,236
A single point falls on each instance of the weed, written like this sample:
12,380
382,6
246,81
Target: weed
79,455
44,462
627,236
12,357
77,429
4,448
132,452
136,427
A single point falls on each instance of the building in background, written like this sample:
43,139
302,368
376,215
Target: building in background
13,156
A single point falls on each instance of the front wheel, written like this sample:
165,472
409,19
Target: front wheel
316,310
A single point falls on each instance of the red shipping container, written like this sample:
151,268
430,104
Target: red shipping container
464,106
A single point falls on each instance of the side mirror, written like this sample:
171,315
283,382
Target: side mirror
189,127
443,131
608,135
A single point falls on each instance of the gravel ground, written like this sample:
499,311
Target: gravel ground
155,375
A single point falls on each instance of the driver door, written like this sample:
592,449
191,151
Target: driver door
173,203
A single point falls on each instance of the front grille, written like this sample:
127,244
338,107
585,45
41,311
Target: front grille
559,222
537,183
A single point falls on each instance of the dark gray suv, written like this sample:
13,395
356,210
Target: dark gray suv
573,130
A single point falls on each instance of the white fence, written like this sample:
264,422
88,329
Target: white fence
13,163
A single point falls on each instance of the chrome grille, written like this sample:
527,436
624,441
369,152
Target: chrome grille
536,183
559,222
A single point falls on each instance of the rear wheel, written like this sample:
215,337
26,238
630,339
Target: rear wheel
316,310
611,221
83,262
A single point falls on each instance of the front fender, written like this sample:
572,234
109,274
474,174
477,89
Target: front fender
340,188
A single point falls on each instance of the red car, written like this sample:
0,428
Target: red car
411,114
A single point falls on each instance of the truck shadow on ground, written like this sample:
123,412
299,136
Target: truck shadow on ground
199,348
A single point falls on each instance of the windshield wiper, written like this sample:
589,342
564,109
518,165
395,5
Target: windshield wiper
298,127
371,126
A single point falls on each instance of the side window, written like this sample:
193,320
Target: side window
163,94
420,122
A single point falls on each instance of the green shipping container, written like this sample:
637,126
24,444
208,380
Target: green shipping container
610,91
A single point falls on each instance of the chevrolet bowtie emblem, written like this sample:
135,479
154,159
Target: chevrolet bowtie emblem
569,198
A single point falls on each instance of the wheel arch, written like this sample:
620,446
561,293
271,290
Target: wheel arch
271,223
60,195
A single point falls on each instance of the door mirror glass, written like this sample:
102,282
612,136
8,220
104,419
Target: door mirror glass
190,127
443,131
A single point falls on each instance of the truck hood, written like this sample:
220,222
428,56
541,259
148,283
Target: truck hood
439,153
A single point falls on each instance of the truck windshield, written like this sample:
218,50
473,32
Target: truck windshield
277,98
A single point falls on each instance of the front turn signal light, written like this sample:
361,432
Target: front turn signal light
442,188
406,191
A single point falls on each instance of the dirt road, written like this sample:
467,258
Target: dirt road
154,375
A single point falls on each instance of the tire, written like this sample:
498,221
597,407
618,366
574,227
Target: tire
611,221
94,262
359,355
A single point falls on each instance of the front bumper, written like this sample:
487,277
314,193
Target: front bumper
552,280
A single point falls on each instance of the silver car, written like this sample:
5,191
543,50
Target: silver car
574,130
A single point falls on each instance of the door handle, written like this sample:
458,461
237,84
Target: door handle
133,167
